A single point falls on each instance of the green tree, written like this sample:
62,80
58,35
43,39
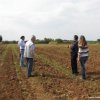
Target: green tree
47,40
0,38
98,40
59,40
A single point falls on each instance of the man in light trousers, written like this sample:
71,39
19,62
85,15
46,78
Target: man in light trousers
29,55
21,44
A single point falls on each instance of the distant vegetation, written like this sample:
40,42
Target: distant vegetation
0,38
98,40
94,42
60,41
50,41
10,42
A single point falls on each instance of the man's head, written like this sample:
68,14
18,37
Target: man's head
22,37
33,38
75,37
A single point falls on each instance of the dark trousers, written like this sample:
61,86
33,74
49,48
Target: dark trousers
74,64
29,66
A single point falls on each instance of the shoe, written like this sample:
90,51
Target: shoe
75,73
31,75
24,65
82,78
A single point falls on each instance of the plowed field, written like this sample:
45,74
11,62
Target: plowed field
52,75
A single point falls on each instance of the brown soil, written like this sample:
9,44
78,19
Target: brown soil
48,83
9,85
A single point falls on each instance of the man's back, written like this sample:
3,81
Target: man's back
74,48
29,49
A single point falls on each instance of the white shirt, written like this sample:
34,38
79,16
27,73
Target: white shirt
29,49
21,44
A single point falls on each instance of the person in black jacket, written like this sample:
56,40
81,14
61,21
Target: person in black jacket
74,55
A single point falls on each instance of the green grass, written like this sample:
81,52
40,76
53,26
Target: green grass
15,62
53,63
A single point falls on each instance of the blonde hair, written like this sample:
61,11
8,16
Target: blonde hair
82,41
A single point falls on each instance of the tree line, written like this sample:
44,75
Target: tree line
48,41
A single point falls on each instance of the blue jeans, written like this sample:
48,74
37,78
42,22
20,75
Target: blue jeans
29,63
83,62
22,57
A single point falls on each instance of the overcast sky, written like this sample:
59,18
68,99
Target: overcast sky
49,18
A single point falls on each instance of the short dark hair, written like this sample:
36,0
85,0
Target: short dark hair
75,37
22,37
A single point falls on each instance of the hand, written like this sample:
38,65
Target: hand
78,59
68,46
26,60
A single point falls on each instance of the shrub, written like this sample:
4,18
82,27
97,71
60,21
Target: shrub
0,38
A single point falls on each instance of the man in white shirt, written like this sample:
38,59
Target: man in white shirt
29,54
21,44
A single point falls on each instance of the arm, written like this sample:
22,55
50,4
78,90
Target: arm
32,50
18,43
78,56
79,52
69,46
22,44
25,53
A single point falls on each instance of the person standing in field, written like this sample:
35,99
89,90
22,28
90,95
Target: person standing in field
21,44
29,54
83,54
74,55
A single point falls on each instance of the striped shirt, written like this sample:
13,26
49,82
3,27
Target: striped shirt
83,51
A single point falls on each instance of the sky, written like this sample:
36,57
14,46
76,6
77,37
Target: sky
49,18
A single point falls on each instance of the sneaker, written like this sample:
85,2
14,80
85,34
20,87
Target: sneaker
82,78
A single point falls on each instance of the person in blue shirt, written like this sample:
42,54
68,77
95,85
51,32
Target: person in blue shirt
21,44
74,55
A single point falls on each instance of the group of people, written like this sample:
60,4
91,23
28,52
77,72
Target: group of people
78,50
27,51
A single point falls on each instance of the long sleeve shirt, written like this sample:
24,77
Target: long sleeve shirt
83,51
21,44
29,49
74,48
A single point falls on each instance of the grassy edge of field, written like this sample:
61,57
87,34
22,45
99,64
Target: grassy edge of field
52,63
3,54
16,64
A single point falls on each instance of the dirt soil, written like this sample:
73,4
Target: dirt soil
47,83
9,84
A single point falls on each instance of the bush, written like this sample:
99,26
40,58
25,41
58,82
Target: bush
59,40
10,42
0,38
98,40
44,41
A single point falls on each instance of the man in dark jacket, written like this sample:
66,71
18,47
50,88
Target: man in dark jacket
74,55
